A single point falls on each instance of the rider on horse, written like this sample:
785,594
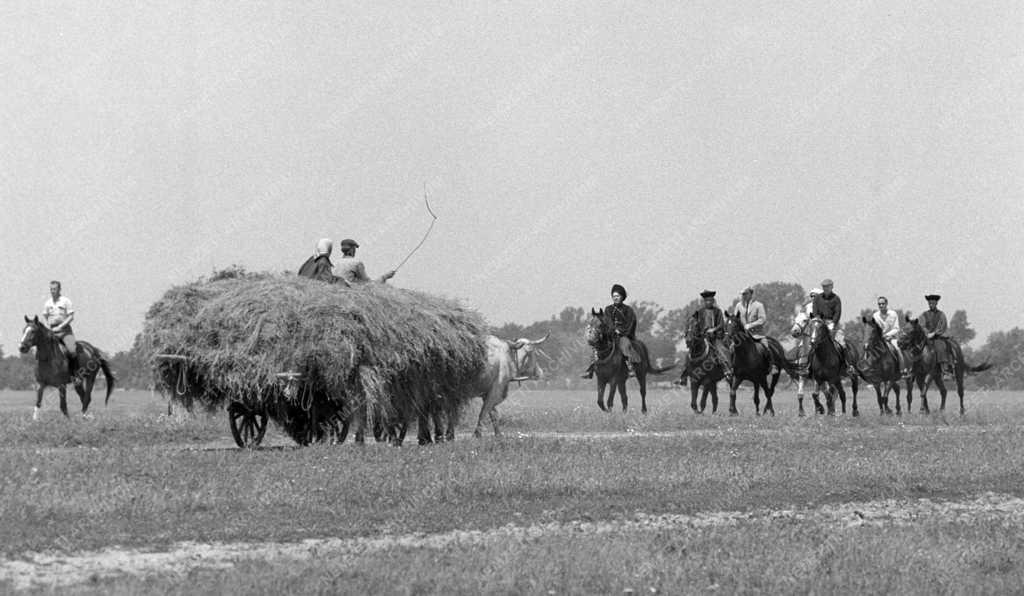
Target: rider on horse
803,346
935,326
710,322
58,314
889,322
622,319
752,314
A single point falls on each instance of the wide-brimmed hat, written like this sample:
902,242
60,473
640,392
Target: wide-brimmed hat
932,297
707,294
349,242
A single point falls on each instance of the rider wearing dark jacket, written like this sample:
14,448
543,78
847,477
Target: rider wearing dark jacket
623,322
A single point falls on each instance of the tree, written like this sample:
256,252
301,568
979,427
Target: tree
959,329
647,314
1005,351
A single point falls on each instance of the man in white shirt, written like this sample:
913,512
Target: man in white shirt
351,269
58,314
889,321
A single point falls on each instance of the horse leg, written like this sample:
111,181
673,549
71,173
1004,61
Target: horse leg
63,400
85,395
800,394
830,398
960,388
713,386
942,392
622,395
39,401
910,392
842,394
734,382
757,398
895,388
815,392
768,407
694,389
641,377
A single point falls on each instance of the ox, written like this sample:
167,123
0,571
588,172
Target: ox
507,361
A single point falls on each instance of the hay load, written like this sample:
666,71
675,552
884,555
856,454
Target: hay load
230,337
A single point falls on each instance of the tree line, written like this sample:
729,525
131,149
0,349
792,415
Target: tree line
566,353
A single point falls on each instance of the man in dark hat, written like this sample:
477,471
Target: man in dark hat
623,321
352,269
935,325
710,322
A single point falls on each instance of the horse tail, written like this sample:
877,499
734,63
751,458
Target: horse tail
105,367
976,369
645,357
658,371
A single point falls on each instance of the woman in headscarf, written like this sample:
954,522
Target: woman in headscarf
319,265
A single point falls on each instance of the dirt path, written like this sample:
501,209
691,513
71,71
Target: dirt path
56,570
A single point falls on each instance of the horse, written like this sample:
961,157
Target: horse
926,366
879,365
52,366
702,369
752,361
611,369
827,366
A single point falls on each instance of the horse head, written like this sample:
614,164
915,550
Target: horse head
734,329
874,337
32,334
597,328
817,331
695,342
913,334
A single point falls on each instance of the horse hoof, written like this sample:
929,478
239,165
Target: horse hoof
644,411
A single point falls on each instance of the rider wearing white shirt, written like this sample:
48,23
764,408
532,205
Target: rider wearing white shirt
58,314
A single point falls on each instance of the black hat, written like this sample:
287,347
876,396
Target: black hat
621,290
349,242
932,297
707,294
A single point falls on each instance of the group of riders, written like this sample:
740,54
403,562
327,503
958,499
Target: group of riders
708,322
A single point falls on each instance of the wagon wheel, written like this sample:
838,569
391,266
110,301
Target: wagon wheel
247,425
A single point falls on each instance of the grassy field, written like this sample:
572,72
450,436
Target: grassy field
135,478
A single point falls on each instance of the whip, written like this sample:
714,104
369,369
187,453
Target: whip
433,220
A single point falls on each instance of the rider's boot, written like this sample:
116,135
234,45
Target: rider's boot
589,374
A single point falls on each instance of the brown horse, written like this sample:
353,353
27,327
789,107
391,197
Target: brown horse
752,361
879,366
926,366
702,370
52,366
611,369
827,366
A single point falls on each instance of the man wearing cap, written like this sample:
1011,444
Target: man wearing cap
829,307
710,322
935,325
623,322
352,269
319,265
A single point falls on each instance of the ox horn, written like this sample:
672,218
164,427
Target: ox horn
534,342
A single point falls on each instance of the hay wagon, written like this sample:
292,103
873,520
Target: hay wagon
311,356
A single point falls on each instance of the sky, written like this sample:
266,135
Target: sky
669,147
